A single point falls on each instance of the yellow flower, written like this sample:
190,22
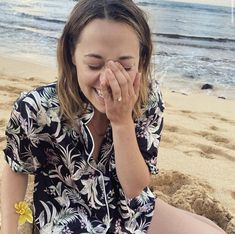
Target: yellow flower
24,211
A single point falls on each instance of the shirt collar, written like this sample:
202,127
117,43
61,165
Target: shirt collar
88,114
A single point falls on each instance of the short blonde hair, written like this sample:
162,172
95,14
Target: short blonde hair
72,101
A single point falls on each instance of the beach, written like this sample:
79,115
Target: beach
197,152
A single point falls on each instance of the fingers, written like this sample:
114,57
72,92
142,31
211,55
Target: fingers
118,84
105,88
114,85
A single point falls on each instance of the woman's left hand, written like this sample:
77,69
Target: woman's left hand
120,90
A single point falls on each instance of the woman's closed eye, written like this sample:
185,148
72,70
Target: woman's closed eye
98,67
95,67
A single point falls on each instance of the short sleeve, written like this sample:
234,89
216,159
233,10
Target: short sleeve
149,127
19,148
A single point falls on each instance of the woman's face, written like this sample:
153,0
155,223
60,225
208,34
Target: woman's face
101,41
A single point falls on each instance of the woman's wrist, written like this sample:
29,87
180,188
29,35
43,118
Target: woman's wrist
123,125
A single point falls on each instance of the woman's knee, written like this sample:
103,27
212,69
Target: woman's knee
170,220
205,220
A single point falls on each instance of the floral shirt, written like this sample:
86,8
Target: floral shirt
73,193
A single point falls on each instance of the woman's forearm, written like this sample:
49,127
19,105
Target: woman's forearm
13,190
131,168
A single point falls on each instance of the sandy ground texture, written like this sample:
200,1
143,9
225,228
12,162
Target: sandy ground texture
197,152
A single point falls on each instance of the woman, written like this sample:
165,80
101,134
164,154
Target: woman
91,139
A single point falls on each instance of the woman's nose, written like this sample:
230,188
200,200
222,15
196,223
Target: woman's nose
102,76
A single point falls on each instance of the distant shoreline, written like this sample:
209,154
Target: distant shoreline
174,82
25,67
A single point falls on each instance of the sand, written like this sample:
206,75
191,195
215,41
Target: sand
197,152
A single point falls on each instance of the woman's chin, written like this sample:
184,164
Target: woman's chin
99,106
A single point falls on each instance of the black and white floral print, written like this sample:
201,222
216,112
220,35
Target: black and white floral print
74,193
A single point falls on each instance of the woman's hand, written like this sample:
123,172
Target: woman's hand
116,82
120,90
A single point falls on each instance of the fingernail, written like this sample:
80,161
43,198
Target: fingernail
111,63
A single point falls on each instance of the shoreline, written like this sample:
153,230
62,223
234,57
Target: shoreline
196,155
194,87
23,68
171,82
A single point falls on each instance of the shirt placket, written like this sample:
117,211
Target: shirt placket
89,145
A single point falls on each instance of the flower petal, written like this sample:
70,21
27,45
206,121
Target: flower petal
29,218
22,220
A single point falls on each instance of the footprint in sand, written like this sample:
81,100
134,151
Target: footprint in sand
186,112
2,123
11,89
213,150
233,194
214,128
181,130
171,128
189,114
219,140
213,137
227,120
169,141
13,79
189,193
31,78
219,117
2,139
209,152
198,153
192,117
36,82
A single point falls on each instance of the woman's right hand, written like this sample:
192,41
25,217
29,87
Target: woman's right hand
120,89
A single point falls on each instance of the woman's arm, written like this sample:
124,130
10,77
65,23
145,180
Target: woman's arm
132,170
13,190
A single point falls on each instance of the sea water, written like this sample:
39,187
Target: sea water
193,43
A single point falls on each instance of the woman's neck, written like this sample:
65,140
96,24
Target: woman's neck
99,123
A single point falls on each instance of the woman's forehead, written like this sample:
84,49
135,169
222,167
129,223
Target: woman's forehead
101,36
101,29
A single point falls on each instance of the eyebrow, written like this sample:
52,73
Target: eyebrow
100,57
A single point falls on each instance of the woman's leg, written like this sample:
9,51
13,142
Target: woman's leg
170,220
203,219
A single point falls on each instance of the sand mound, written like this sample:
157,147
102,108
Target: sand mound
188,193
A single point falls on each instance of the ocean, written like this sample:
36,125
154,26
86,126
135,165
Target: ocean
194,43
